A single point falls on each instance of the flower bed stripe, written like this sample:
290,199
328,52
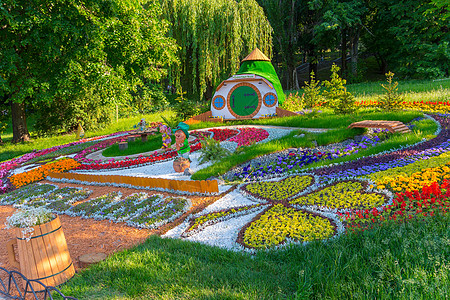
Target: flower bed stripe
203,186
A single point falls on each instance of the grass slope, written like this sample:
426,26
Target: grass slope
399,261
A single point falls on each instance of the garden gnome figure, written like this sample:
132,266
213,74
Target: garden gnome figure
181,140
182,162
166,139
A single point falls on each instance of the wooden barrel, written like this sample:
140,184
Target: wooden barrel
45,257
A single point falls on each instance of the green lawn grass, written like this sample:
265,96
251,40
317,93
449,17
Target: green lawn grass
404,86
153,143
396,261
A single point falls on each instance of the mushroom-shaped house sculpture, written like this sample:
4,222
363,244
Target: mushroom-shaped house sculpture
254,92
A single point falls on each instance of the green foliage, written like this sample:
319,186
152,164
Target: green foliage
312,96
171,122
212,151
147,99
391,98
440,7
416,46
284,17
185,108
336,95
293,102
214,36
74,61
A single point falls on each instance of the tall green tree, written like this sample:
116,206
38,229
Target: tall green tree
214,35
344,18
283,16
72,60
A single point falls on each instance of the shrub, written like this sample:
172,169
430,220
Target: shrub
147,99
391,99
312,97
293,102
211,150
336,95
185,108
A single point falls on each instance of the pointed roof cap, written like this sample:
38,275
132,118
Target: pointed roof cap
256,55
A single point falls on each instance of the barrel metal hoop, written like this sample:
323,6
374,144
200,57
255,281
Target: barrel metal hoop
42,278
33,237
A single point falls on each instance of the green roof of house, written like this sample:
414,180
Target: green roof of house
263,68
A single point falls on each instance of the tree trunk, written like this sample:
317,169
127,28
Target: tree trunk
208,92
344,51
290,72
383,66
354,53
19,123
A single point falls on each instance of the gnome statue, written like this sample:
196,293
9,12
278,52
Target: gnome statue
166,133
182,145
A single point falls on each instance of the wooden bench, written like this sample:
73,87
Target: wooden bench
392,126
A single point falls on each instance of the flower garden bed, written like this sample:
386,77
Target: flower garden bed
280,202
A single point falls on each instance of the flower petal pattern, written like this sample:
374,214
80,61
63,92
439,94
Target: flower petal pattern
274,226
278,190
342,195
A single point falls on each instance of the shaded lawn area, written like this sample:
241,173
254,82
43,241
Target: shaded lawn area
400,261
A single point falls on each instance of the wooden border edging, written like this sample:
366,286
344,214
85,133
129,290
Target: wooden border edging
191,186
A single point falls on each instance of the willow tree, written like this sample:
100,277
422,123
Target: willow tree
214,35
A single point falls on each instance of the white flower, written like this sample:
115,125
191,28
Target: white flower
28,218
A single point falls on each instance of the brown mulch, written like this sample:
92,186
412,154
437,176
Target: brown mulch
89,236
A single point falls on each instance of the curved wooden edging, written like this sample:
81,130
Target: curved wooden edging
203,186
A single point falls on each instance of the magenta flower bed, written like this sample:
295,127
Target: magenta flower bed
249,136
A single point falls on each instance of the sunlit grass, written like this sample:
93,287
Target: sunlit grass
396,261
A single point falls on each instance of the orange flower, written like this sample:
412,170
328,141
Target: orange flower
42,172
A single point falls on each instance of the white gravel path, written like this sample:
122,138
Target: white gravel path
223,234
165,169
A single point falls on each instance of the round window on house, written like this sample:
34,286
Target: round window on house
270,99
218,102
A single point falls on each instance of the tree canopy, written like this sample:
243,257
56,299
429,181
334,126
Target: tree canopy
70,60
